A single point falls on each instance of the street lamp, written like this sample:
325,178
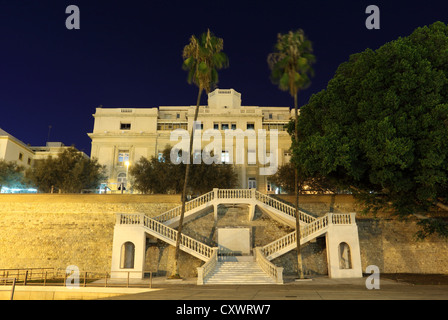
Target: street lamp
127,172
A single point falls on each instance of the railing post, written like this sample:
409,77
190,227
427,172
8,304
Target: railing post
280,275
26,278
118,218
215,193
330,218
352,217
13,288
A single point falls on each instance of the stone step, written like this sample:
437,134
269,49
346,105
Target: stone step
244,272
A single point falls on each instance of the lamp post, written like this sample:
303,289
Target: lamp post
127,173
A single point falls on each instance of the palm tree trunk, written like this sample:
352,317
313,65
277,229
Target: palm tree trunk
296,189
184,191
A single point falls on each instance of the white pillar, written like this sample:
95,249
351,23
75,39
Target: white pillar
136,235
337,234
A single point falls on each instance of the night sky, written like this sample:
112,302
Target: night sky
129,54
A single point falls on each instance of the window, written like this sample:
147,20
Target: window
29,161
224,126
252,183
20,156
125,126
251,157
121,178
216,126
122,181
233,126
270,116
123,156
177,115
127,255
225,157
199,125
250,125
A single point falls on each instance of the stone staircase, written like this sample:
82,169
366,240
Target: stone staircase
133,227
238,272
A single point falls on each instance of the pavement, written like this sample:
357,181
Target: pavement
318,288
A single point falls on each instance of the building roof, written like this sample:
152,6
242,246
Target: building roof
3,133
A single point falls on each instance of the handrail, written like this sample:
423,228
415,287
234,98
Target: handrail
308,230
235,193
229,194
169,234
268,267
342,218
207,267
283,207
314,227
190,205
279,244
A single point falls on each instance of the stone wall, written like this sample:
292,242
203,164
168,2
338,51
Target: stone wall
55,231
60,230
385,241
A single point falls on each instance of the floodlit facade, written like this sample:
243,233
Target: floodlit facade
14,150
25,155
121,136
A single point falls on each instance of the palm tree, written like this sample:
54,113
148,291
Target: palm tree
203,58
291,69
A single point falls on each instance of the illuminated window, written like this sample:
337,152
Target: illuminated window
225,157
123,156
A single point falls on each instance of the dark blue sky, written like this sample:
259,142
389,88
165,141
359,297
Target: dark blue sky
128,53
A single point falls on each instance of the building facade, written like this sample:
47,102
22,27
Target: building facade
14,150
121,136
25,155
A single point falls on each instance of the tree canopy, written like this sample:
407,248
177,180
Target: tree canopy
380,128
70,172
11,175
162,176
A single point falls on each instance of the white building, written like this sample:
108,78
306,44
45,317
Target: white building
14,150
124,135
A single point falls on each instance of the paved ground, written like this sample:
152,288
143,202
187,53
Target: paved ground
320,288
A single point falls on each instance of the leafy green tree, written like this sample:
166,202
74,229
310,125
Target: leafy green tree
161,176
70,172
157,175
291,69
11,175
205,177
380,129
285,178
203,58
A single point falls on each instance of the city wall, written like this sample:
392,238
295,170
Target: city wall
55,231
